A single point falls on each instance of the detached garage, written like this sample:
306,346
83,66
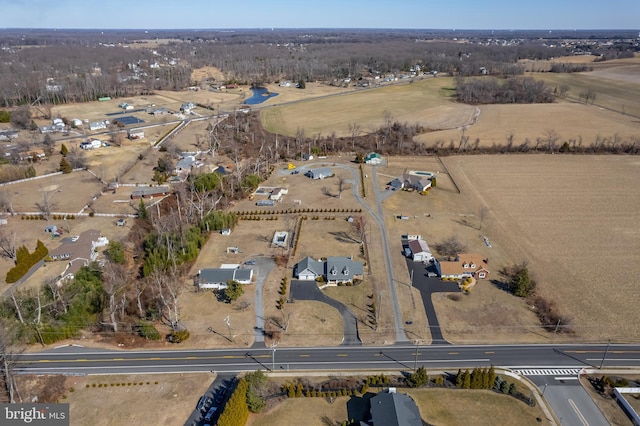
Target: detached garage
420,251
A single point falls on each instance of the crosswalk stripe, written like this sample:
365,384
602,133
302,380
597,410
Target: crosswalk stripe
548,372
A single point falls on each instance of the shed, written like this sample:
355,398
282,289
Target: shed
320,173
50,229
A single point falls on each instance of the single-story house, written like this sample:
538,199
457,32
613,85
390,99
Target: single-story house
76,122
420,251
216,278
419,183
184,164
97,125
277,193
333,270
6,135
373,158
320,173
150,192
394,409
37,153
464,266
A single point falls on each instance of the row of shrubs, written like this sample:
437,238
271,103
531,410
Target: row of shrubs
25,260
325,218
43,217
283,293
294,211
105,385
257,218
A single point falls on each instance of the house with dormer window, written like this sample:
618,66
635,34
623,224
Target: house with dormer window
465,265
333,270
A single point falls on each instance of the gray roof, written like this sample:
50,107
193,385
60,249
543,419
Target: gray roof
310,264
319,173
342,268
394,409
214,276
150,190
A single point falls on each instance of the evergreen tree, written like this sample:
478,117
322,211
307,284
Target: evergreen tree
142,210
466,380
492,377
459,378
65,167
64,150
236,411
233,291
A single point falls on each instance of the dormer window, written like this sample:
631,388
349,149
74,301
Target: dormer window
333,271
473,265
345,271
465,265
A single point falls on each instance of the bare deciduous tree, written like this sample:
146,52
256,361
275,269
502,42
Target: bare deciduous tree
354,129
8,246
47,204
114,281
7,357
451,246
167,286
343,185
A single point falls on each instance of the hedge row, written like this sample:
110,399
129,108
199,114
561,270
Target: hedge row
25,260
295,211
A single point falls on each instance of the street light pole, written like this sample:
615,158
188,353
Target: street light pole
605,353
415,361
273,355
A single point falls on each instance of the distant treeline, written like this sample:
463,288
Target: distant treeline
520,90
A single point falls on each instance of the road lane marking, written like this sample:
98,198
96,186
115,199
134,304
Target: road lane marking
489,352
342,354
304,356
454,353
118,359
580,416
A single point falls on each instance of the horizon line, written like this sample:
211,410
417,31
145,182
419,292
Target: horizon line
314,28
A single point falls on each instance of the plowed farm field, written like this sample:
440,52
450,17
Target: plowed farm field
574,219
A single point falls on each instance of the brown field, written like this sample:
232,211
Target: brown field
169,402
448,214
210,72
569,120
437,406
573,218
423,102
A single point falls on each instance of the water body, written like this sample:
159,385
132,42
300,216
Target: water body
260,94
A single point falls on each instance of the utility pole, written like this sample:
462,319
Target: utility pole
227,321
605,353
415,361
273,354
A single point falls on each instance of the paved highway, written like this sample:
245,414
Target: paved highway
79,360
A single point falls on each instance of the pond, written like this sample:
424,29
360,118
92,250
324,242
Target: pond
260,94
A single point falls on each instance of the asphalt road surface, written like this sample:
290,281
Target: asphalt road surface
78,360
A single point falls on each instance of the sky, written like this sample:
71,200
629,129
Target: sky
415,14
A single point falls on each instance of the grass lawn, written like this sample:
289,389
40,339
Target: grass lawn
442,407
425,102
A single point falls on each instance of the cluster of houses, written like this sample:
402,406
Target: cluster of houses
57,126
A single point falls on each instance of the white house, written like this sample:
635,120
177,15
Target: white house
320,173
334,270
97,125
277,193
420,251
373,158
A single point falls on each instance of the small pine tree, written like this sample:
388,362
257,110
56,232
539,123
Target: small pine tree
65,167
459,378
466,380
63,150
492,377
142,210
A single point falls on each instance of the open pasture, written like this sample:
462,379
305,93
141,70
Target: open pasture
532,121
424,102
574,220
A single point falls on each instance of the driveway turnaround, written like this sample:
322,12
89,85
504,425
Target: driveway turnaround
428,286
308,290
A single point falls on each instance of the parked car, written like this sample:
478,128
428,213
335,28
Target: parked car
210,413
75,238
250,262
203,403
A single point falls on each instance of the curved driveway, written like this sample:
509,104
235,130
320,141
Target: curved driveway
379,218
308,290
